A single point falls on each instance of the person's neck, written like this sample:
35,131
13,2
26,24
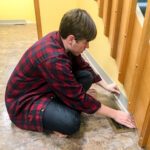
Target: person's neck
65,45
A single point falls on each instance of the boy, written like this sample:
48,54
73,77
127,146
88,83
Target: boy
47,89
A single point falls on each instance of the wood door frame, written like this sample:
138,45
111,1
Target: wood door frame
108,16
38,18
101,6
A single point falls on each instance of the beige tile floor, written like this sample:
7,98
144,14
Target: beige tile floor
95,133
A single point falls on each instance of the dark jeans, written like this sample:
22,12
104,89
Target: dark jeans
59,117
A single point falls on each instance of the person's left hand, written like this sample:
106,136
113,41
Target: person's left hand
113,88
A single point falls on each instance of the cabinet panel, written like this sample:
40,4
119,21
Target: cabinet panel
132,56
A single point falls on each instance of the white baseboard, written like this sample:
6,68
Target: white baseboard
13,22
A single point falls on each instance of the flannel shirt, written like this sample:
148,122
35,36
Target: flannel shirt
46,71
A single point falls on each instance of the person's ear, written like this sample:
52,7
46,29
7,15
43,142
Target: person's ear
71,39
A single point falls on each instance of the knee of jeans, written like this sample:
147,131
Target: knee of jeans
90,77
73,126
87,82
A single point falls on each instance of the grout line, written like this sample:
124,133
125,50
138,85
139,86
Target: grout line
120,100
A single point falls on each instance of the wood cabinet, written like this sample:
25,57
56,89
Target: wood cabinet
129,38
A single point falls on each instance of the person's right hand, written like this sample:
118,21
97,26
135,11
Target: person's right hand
125,119
121,117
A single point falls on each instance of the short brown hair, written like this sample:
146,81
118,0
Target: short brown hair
78,23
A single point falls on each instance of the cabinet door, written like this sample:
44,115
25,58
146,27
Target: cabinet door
139,96
142,103
142,98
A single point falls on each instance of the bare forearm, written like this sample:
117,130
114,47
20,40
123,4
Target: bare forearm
103,84
107,111
119,116
109,87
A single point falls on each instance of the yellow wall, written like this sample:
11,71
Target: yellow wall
52,12
17,9
100,47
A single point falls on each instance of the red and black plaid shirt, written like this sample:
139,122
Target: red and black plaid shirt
46,71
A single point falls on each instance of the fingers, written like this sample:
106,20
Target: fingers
129,123
113,88
126,119
115,91
131,120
